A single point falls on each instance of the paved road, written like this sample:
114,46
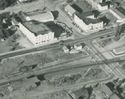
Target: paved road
52,46
113,67
25,7
46,70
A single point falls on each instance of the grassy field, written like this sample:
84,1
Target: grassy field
40,58
10,44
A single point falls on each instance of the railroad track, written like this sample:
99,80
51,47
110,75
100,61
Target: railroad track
56,68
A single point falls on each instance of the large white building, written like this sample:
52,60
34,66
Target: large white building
39,28
37,34
87,22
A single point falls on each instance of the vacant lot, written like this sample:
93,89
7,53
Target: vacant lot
40,58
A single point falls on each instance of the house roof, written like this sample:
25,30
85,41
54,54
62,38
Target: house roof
42,17
36,27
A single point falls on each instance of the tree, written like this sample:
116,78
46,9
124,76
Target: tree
10,2
6,3
3,4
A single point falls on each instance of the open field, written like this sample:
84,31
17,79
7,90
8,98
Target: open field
41,59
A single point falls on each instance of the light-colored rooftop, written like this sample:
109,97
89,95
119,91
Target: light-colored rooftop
70,9
119,50
42,17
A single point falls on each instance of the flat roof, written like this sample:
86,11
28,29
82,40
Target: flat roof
119,50
77,8
70,9
42,17
57,29
36,27
89,13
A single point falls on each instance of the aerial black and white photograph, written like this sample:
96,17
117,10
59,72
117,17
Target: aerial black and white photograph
62,49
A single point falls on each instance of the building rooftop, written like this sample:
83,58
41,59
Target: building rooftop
105,19
71,9
20,17
36,27
85,14
121,9
82,5
42,17
77,8
57,29
114,96
103,4
118,13
80,94
87,20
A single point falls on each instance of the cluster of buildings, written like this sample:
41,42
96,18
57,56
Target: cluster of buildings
86,21
39,28
76,48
